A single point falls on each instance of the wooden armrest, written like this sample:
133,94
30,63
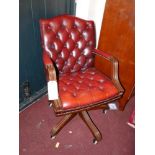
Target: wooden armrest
114,62
102,54
49,67
51,76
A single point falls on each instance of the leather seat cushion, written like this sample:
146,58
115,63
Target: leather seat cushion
84,87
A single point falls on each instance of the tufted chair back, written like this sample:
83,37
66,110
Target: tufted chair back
69,42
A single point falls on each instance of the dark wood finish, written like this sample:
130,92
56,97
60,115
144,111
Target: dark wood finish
86,118
114,68
117,39
61,124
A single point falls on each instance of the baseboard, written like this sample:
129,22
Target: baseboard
29,101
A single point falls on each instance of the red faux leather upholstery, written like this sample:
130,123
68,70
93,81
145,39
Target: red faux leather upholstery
84,87
69,42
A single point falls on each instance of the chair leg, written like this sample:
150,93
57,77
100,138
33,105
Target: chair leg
61,124
85,116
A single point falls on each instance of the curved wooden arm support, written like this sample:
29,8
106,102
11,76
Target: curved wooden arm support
51,76
114,62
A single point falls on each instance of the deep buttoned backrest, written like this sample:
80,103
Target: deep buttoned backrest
69,42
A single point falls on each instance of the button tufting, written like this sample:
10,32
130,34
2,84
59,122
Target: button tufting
101,81
87,27
77,88
62,26
70,42
74,94
49,27
92,73
76,45
57,36
64,89
74,26
68,83
69,35
65,45
90,85
80,81
52,46
87,44
91,78
101,87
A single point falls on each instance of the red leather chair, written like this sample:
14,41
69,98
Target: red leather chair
68,46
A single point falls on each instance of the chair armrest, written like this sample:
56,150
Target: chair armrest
114,62
51,76
49,67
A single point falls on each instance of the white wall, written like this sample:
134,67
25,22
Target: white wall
91,10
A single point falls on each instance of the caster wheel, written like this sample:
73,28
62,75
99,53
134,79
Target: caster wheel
50,105
104,111
53,137
95,141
